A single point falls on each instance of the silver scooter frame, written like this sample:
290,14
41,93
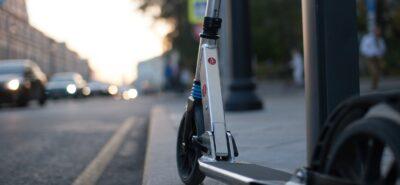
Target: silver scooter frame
219,162
207,72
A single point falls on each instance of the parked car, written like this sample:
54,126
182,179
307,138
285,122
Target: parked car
20,82
65,85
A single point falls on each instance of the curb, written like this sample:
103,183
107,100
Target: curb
159,165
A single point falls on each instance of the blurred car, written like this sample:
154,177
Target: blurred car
128,93
20,82
100,89
65,85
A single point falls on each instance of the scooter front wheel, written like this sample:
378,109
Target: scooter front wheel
187,155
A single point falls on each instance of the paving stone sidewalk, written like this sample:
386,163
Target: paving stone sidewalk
273,137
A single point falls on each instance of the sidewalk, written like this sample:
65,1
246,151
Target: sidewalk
274,137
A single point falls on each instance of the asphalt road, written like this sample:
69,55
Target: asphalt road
99,140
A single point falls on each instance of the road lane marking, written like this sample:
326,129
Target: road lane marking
94,170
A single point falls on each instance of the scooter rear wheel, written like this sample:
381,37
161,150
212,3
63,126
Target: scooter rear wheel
367,152
187,155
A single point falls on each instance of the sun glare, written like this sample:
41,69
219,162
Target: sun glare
113,35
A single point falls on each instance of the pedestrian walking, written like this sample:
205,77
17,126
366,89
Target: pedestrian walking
297,66
373,49
168,74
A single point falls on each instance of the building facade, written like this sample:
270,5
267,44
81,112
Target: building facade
151,75
20,40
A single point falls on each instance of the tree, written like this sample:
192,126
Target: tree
181,38
275,24
276,28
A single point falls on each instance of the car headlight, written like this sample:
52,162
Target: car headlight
13,84
112,89
86,91
71,89
130,94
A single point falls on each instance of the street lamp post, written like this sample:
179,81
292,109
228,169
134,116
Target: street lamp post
241,94
331,60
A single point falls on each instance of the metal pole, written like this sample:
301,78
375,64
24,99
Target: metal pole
331,59
241,95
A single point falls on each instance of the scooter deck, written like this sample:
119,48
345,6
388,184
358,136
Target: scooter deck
244,173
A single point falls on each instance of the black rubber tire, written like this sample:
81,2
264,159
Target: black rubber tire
371,136
193,175
22,103
43,98
23,98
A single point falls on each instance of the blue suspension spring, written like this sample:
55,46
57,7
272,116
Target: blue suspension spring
196,91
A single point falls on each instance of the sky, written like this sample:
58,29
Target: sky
112,34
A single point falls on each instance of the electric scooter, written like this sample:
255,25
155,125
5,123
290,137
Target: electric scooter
358,143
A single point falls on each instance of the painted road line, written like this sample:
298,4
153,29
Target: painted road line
94,170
